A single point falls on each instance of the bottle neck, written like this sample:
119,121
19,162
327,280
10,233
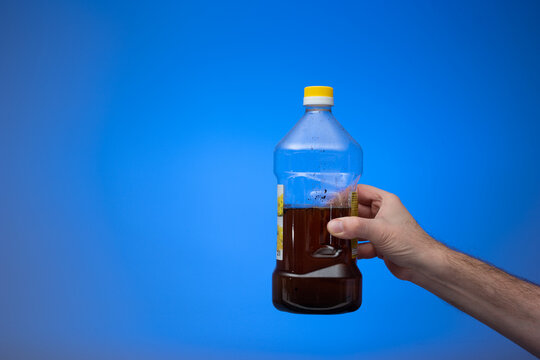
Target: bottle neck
317,108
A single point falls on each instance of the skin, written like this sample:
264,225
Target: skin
505,303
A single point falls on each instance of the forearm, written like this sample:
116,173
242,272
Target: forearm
503,302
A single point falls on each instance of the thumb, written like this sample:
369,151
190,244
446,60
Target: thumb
352,227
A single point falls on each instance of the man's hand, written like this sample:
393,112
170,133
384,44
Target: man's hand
392,232
507,304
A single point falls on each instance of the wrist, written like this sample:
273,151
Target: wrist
434,265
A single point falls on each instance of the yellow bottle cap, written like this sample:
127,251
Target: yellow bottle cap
319,95
318,91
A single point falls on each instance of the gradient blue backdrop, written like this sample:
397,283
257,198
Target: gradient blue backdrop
137,199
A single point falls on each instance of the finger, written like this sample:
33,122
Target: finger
366,251
365,211
352,227
367,194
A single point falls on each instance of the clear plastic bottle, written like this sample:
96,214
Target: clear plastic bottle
317,165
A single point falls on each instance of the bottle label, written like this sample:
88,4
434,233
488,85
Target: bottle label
279,252
354,212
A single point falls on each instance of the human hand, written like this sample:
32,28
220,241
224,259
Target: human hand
507,304
393,235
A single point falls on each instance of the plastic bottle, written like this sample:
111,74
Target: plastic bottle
317,165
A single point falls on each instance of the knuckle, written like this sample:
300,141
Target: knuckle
394,198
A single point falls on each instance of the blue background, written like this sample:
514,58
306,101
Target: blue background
137,199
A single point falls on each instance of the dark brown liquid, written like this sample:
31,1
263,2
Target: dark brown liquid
317,274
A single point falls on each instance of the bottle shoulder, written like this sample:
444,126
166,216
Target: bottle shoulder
318,132
318,144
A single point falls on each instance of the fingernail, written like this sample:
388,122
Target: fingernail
335,226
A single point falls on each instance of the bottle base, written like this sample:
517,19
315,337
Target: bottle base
316,295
